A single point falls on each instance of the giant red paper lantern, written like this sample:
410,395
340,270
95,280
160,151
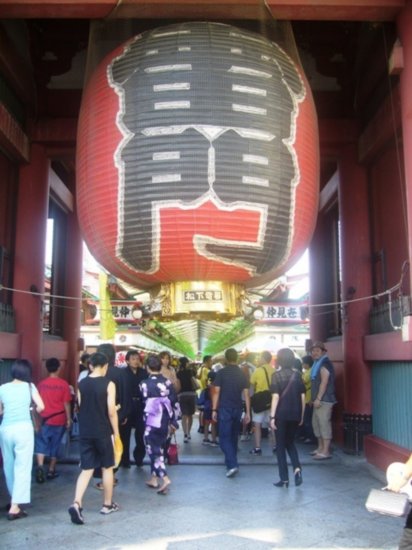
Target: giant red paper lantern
197,158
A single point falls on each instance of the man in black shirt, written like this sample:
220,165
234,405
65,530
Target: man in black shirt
98,422
135,373
229,385
118,377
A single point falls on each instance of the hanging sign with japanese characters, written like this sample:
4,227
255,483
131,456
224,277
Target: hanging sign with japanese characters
123,312
296,313
184,297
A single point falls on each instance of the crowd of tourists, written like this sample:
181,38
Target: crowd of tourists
122,415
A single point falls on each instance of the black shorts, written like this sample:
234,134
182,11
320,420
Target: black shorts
96,453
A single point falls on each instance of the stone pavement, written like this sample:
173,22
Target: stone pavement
205,510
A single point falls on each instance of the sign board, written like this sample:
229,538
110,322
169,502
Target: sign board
296,313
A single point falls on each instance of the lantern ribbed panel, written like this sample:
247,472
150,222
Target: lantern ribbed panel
197,157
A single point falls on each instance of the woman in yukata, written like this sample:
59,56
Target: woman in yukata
161,413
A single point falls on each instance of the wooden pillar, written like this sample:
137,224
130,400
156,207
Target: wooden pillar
32,213
356,279
404,24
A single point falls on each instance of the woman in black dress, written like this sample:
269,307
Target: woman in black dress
187,395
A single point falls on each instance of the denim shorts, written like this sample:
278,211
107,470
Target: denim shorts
262,417
48,440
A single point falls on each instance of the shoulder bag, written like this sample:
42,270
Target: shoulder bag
36,419
289,384
262,400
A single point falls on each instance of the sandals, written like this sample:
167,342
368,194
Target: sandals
40,477
109,508
75,513
152,485
164,489
11,516
321,456
99,484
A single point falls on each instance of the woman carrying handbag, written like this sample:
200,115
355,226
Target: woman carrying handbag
161,412
17,435
397,484
286,414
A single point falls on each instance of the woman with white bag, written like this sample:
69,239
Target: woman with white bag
397,484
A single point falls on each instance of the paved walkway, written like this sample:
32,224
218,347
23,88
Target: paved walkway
205,510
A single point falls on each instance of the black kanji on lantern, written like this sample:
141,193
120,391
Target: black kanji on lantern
207,112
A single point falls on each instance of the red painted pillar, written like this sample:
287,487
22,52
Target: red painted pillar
72,317
32,212
318,272
404,23
356,279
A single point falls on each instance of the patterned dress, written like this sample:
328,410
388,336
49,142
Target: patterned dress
161,411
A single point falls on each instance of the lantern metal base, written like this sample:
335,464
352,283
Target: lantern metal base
199,300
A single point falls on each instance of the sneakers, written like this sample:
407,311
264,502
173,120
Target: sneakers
51,474
210,443
186,439
256,451
245,437
109,508
232,472
40,478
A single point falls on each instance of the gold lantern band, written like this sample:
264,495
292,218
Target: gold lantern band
201,300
